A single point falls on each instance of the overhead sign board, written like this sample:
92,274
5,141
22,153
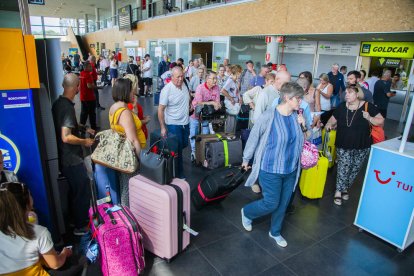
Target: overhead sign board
338,48
131,43
387,49
389,62
300,47
125,22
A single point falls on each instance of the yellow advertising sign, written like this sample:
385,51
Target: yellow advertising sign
215,67
387,49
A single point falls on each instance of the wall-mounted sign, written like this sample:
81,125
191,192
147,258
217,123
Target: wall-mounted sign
131,43
387,49
73,51
36,2
389,62
124,21
131,52
338,48
158,51
300,47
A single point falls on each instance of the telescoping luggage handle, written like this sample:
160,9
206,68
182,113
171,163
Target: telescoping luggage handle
325,147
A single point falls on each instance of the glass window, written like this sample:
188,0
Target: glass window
325,63
243,49
184,52
296,63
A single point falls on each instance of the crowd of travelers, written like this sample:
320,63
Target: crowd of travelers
282,114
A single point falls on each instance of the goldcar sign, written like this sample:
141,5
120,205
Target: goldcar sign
387,49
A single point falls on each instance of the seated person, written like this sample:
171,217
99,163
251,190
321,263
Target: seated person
24,246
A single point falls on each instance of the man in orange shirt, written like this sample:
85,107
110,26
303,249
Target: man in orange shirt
87,96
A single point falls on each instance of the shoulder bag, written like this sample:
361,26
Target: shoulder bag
377,132
158,166
115,151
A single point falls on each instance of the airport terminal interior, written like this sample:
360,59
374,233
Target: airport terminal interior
371,233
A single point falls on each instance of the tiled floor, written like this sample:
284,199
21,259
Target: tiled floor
322,239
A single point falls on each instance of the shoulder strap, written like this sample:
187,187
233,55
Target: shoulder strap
116,114
226,149
366,106
186,85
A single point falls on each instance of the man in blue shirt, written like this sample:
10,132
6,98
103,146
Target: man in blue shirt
259,80
337,80
163,66
382,93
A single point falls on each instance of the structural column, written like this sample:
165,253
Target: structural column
271,49
77,26
25,17
42,20
97,17
86,24
113,8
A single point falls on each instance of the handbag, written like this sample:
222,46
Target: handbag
115,151
232,109
309,157
158,166
377,132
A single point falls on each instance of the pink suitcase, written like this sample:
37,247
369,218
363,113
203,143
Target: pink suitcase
120,241
162,211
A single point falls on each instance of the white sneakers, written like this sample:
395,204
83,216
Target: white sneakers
247,223
279,240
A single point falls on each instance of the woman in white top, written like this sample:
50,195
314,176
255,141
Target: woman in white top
24,245
232,96
324,93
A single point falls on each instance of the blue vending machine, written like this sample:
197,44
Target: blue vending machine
27,136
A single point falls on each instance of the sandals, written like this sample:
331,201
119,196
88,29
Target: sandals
338,200
345,195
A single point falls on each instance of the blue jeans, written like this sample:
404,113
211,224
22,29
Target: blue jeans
107,181
277,190
79,193
194,131
182,133
335,101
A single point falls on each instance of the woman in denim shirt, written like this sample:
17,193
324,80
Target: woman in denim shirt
276,141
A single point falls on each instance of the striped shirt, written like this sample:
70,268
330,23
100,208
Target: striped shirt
283,147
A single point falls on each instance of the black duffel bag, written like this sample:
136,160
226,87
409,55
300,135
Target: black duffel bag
217,185
158,166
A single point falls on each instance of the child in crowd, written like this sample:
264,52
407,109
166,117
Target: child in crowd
24,246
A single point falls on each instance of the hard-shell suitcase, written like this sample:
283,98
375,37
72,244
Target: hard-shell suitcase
223,153
200,144
312,181
163,211
120,240
216,186
328,146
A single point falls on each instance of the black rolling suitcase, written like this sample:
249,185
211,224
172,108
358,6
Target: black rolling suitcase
217,185
223,153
